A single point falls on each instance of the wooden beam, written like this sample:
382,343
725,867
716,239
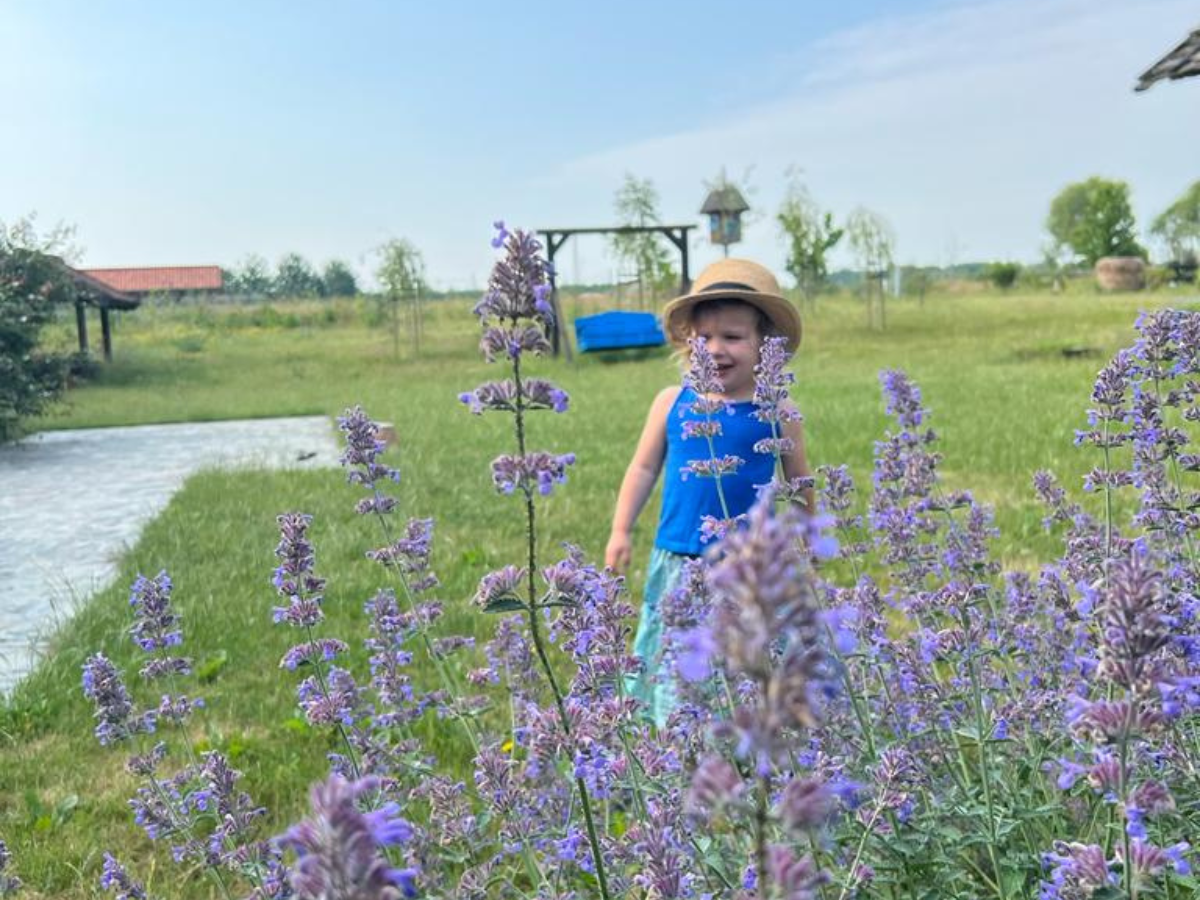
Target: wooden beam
106,334
81,326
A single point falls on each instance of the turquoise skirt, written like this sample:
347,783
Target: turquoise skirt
655,687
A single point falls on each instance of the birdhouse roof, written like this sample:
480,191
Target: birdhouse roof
726,199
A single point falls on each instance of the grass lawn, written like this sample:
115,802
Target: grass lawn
1005,399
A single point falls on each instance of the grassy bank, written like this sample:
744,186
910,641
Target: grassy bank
1006,400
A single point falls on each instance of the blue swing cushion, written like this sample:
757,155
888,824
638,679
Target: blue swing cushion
617,330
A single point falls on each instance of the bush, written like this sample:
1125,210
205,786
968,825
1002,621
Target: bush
1003,274
32,284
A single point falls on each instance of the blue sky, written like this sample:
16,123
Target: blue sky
174,133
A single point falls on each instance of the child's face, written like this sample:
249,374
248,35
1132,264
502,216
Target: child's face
731,335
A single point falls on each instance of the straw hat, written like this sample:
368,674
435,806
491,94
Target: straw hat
739,279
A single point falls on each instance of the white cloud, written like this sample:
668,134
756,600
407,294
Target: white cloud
957,124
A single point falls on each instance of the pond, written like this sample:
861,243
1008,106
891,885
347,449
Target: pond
71,501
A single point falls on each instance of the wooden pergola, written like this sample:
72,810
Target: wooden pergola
556,237
91,291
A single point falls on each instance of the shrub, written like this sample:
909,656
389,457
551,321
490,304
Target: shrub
1003,274
33,284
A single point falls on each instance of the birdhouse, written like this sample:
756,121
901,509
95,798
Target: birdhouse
724,208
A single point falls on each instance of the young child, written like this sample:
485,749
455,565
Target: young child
734,304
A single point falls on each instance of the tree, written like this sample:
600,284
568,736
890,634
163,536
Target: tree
1094,219
636,204
338,280
1002,274
1178,226
33,283
873,243
810,234
295,277
252,277
402,273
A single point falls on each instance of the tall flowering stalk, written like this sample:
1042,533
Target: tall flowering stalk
406,557
200,808
702,378
515,313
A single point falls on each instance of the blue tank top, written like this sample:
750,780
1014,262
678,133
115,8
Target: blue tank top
686,501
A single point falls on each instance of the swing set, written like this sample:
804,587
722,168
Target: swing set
615,329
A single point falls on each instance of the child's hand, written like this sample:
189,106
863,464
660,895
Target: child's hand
618,552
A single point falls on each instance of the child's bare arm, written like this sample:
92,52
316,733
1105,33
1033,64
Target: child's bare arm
795,463
639,480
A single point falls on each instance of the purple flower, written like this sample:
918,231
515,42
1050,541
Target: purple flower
535,471
517,288
903,398
340,848
806,804
363,450
712,468
102,685
715,784
536,393
156,626
703,377
501,234
9,884
114,878
503,584
772,383
306,654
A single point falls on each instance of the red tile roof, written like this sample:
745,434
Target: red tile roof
160,278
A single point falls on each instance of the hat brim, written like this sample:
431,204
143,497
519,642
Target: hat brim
781,311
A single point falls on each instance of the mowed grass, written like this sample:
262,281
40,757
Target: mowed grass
1006,401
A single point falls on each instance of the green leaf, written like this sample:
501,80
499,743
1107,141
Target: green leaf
509,603
208,670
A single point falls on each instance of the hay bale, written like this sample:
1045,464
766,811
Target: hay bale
1121,273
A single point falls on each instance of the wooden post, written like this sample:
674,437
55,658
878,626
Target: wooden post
81,325
106,334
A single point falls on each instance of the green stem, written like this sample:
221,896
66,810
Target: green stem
536,635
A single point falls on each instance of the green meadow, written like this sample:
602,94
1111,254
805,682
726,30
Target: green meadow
1007,377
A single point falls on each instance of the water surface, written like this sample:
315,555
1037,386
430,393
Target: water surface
71,501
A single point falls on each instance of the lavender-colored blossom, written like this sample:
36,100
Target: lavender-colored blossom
796,878
102,685
499,585
703,378
294,579
409,554
700,428
113,877
156,625
712,468
535,471
772,383
1076,870
715,784
535,393
712,528
308,653
9,883
517,288
363,450
1147,861
806,804
903,398
334,700
768,629
341,849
